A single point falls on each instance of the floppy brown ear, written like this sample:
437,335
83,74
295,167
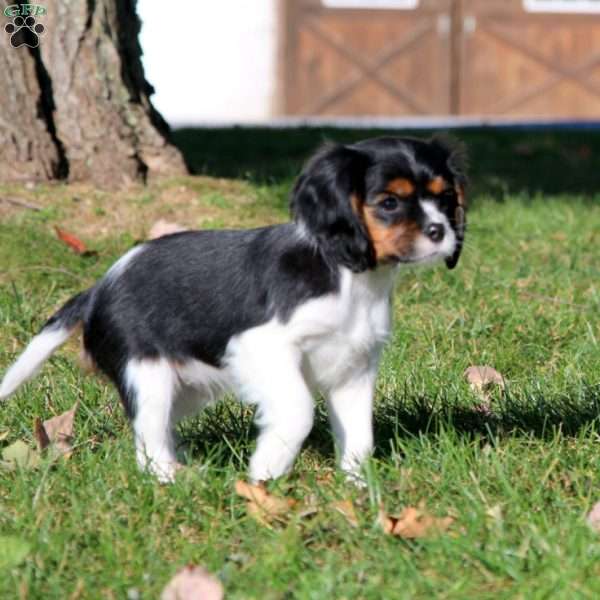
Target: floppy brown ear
322,202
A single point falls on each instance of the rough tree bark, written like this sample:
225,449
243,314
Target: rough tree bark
77,107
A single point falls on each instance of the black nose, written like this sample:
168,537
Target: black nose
435,232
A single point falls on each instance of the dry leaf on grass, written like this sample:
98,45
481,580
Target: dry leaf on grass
482,379
71,240
593,518
193,583
162,227
19,455
262,505
56,432
413,523
495,513
346,509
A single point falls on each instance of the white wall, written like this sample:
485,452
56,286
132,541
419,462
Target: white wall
210,60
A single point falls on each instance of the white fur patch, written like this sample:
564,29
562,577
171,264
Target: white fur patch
119,267
351,416
31,360
425,249
153,385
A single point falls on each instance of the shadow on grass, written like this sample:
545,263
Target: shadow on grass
539,417
503,160
227,433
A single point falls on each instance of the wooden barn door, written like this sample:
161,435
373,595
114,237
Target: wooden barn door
518,63
353,61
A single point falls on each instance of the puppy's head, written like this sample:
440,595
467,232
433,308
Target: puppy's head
384,200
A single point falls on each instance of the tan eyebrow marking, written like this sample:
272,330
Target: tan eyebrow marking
401,187
437,185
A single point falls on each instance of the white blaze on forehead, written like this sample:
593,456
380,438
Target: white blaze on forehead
434,214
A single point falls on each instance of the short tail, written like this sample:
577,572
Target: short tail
54,333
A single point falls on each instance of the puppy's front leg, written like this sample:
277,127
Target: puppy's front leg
272,380
282,431
351,415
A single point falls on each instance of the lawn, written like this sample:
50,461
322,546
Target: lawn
518,477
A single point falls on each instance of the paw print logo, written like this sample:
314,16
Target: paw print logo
24,32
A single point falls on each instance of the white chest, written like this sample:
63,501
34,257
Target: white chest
333,338
340,336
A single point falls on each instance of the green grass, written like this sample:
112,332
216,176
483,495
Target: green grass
525,298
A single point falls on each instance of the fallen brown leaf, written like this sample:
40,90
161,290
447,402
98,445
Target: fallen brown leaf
413,523
56,432
71,240
307,511
262,505
39,433
346,509
495,513
193,583
162,227
593,518
387,523
19,455
482,379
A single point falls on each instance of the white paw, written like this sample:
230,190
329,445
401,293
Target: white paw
258,475
164,471
356,478
270,462
265,472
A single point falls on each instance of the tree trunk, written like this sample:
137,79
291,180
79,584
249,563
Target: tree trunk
77,106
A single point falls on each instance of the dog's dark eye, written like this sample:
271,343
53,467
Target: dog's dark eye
389,203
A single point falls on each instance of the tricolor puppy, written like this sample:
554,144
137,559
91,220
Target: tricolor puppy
274,314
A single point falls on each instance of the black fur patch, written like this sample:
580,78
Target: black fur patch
321,200
71,313
186,295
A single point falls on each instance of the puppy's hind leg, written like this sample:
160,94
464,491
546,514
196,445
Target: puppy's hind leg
152,385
